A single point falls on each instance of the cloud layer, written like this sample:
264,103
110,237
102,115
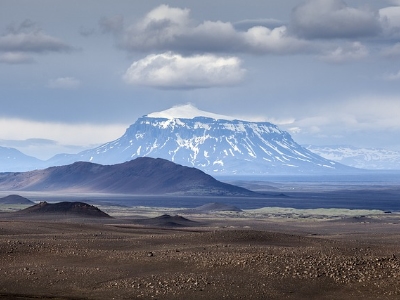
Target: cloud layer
170,70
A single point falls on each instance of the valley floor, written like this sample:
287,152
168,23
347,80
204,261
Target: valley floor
224,258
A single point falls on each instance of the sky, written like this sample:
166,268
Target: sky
75,74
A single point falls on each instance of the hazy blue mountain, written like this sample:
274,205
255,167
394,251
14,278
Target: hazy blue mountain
12,160
15,199
218,145
364,158
141,176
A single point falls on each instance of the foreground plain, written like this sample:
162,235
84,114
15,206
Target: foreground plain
222,259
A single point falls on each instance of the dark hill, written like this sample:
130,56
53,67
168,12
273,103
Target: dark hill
65,208
15,199
143,175
167,221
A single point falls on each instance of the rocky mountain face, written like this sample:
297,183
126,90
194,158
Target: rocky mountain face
141,176
363,158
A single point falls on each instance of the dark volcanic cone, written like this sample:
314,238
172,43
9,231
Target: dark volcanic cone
65,208
167,221
15,199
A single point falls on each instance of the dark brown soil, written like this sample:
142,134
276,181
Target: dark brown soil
73,260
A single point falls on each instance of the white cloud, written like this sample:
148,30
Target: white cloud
277,41
170,70
325,19
345,53
67,83
171,29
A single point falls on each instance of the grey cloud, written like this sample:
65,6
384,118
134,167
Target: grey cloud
114,24
171,29
390,18
392,52
86,32
27,37
326,19
345,53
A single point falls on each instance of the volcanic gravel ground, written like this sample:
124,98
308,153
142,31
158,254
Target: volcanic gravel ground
55,260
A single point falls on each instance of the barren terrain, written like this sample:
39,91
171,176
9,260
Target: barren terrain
221,258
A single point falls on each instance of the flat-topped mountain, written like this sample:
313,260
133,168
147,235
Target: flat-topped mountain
141,176
215,144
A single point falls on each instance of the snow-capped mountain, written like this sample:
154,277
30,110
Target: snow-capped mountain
363,158
12,160
213,143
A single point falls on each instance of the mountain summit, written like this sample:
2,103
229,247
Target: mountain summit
215,144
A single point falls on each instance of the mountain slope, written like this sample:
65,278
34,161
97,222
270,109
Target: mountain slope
363,158
210,143
140,176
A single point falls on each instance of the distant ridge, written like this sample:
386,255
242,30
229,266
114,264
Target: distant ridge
141,176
